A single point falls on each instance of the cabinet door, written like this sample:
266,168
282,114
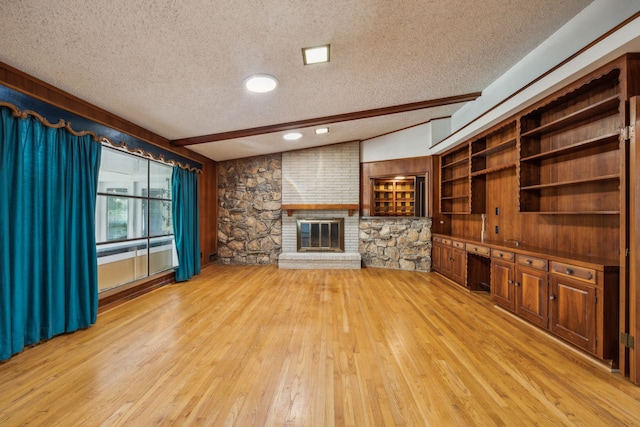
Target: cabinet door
459,266
436,257
531,295
502,284
446,261
572,308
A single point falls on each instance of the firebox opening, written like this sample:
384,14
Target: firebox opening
321,235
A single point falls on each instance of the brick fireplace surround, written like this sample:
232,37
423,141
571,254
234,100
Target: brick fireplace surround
321,176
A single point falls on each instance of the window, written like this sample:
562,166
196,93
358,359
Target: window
134,227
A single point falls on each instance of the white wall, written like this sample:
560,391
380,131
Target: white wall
474,117
411,142
323,175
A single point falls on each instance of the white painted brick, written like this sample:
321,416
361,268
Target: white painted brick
324,175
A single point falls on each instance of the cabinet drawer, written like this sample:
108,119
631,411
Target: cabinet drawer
505,255
446,241
459,245
437,239
568,270
529,261
477,249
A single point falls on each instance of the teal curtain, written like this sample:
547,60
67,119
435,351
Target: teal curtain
186,222
48,269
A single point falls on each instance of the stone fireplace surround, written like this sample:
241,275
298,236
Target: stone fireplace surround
324,179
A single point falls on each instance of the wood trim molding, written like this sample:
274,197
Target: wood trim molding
16,112
114,297
408,127
365,114
321,207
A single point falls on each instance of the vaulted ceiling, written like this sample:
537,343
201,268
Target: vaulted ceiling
176,67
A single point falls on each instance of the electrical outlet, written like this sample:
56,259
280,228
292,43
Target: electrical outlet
497,229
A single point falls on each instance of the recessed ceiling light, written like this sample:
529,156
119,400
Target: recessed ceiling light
315,55
320,131
261,83
292,136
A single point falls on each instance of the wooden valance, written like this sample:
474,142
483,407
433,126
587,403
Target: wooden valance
320,207
116,139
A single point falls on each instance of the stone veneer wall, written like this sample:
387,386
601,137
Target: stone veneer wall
397,243
249,210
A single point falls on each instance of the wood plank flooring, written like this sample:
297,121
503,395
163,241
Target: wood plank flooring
260,346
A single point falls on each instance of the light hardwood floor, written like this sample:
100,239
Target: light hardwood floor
259,346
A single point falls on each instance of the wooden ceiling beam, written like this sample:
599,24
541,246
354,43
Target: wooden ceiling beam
242,133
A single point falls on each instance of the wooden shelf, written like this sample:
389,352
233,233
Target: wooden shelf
459,178
454,197
572,212
321,207
459,162
572,148
494,169
609,104
496,149
570,183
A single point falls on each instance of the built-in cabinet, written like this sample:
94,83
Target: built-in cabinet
394,196
450,259
532,289
463,262
574,299
546,190
502,280
521,290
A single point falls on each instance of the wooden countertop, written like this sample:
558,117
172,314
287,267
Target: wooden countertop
598,263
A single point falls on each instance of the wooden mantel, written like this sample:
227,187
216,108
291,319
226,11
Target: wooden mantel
318,207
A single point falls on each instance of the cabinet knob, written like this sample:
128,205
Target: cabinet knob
552,297
510,281
528,262
568,271
500,255
517,284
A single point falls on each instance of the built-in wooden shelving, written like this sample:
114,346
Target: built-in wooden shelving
570,151
455,181
394,196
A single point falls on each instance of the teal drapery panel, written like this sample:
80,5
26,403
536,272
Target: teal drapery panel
48,264
186,222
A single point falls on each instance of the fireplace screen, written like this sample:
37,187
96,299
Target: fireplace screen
321,235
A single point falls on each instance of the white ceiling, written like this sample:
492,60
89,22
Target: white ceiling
176,67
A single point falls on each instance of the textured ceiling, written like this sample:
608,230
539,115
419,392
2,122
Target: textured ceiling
176,67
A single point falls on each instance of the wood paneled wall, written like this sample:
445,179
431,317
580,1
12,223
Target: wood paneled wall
23,82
